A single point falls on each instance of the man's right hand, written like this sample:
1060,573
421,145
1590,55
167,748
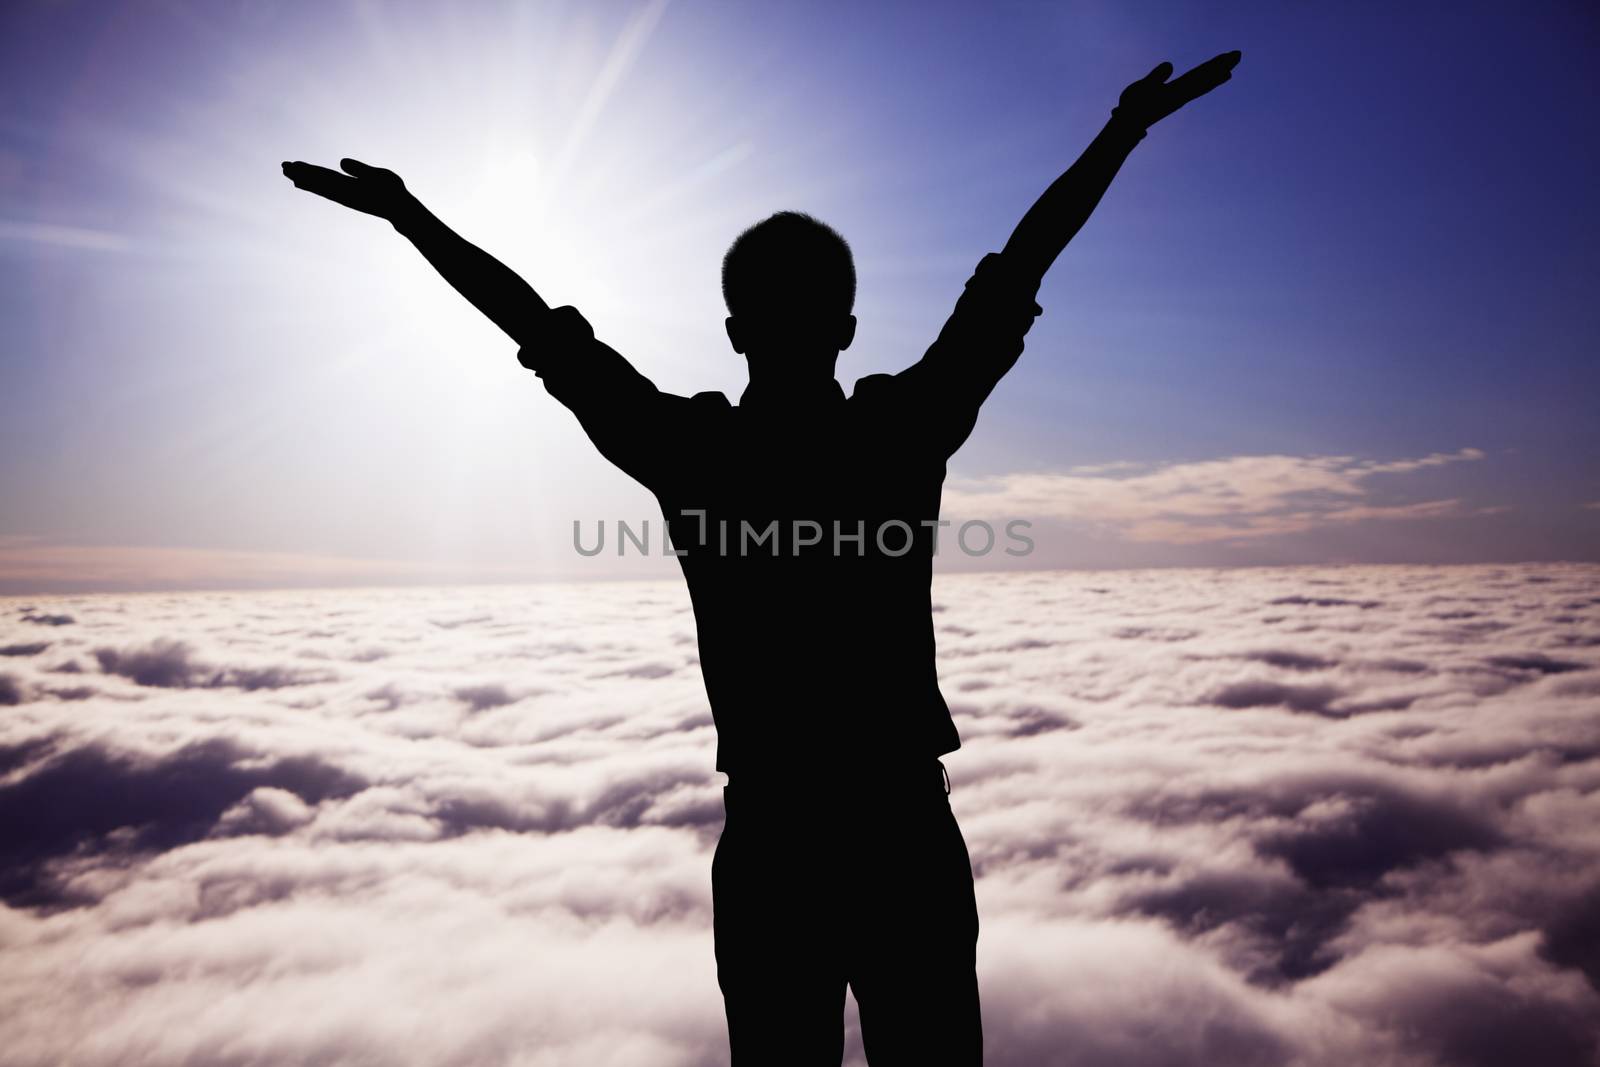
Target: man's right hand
372,190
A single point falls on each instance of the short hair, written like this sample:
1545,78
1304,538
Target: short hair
788,260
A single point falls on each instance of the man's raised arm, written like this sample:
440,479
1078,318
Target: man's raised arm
983,337
620,409
491,287
1060,213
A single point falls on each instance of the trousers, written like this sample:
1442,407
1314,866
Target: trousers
865,884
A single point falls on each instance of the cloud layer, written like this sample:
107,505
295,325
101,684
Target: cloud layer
1282,816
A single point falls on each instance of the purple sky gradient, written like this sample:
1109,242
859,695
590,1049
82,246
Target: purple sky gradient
1375,245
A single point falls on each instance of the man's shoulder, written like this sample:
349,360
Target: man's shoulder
696,404
695,413
874,387
709,400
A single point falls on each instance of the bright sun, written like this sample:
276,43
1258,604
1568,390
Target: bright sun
593,149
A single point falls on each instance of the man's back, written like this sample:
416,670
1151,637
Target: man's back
807,523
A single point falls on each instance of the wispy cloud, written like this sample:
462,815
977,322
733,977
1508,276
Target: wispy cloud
31,564
1234,498
46,233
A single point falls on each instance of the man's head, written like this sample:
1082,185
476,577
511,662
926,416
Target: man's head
789,283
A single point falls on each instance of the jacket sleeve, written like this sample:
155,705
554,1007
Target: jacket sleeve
979,343
620,409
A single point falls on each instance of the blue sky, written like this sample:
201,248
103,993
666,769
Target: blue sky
1376,245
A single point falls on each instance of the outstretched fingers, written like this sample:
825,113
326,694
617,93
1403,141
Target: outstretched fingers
1162,72
307,175
1206,77
330,184
316,179
361,170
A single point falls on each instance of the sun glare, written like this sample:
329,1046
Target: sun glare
548,161
308,359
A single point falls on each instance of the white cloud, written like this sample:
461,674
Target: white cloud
1235,498
1300,815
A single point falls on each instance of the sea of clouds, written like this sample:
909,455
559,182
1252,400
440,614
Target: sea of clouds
1273,816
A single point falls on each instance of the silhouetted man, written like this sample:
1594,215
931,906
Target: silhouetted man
807,521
